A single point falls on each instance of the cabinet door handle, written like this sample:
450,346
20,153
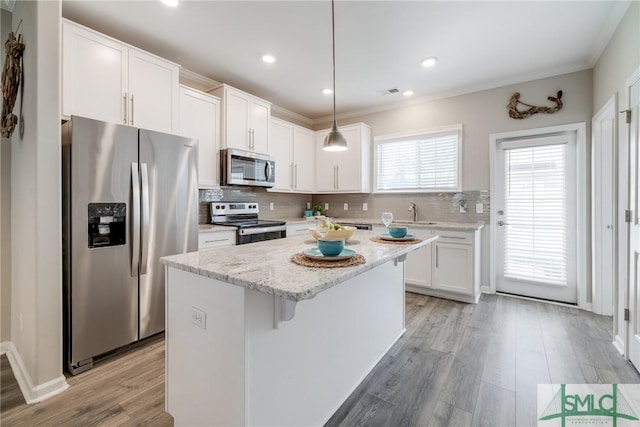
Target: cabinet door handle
125,107
295,176
337,177
436,256
291,172
132,108
217,240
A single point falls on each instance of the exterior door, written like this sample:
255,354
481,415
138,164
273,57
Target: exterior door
634,232
536,221
169,204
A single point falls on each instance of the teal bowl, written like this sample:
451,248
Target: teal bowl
397,232
330,246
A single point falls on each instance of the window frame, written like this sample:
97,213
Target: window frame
403,136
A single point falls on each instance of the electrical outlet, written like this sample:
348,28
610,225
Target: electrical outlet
345,206
326,206
271,206
198,318
308,205
365,207
479,208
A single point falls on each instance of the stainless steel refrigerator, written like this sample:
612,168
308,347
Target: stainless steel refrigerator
130,196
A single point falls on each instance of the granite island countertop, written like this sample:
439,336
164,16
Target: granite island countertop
418,224
267,266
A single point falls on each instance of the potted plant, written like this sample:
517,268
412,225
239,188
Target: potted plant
317,209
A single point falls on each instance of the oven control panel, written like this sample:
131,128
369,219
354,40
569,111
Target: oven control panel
234,208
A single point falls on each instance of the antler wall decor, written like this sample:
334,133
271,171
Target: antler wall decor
514,113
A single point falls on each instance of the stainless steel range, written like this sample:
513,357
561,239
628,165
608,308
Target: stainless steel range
244,216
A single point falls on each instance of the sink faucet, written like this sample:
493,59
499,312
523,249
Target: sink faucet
414,208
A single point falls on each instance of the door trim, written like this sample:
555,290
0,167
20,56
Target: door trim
598,287
582,207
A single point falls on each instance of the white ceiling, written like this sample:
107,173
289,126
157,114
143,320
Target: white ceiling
379,44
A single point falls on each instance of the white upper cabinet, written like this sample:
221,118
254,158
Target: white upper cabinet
245,120
108,80
304,159
281,151
292,148
200,119
154,92
345,171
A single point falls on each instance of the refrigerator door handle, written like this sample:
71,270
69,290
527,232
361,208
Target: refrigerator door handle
145,218
135,219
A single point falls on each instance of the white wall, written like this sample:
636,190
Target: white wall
485,112
618,61
36,291
5,215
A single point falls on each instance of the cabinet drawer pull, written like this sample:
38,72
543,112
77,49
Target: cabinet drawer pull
452,237
217,240
436,256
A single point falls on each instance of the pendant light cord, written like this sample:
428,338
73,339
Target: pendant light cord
333,34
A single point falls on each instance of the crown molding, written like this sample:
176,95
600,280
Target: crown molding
199,79
608,30
290,115
450,94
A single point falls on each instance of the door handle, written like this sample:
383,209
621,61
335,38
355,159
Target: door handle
291,172
501,223
132,109
135,219
267,170
145,218
295,175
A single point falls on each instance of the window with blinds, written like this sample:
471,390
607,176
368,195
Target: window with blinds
535,235
428,161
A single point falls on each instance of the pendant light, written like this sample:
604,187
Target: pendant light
334,141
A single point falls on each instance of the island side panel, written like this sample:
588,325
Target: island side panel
205,366
301,372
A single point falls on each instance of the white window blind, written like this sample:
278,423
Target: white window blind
426,161
535,237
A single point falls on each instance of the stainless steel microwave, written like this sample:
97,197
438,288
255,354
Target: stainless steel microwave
239,167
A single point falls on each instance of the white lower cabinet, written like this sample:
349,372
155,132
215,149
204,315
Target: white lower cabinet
216,239
448,268
299,229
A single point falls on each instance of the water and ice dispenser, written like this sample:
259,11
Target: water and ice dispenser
107,224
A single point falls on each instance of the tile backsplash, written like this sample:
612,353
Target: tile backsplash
443,207
431,206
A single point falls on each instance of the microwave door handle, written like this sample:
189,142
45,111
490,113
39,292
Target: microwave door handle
135,219
145,218
267,170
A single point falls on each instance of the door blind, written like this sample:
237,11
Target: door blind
535,235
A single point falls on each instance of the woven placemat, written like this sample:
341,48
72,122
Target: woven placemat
395,242
302,259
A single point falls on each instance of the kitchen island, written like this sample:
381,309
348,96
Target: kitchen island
254,339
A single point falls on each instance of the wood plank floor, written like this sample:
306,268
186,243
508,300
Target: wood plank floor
457,365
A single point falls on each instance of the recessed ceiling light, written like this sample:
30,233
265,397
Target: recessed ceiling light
407,93
172,3
327,91
429,62
269,59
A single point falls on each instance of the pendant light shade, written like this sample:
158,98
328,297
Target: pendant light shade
334,141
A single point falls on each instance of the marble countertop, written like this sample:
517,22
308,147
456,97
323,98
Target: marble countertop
266,266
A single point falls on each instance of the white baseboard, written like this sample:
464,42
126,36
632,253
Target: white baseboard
618,343
31,393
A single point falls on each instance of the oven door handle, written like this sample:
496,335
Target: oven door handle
258,230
